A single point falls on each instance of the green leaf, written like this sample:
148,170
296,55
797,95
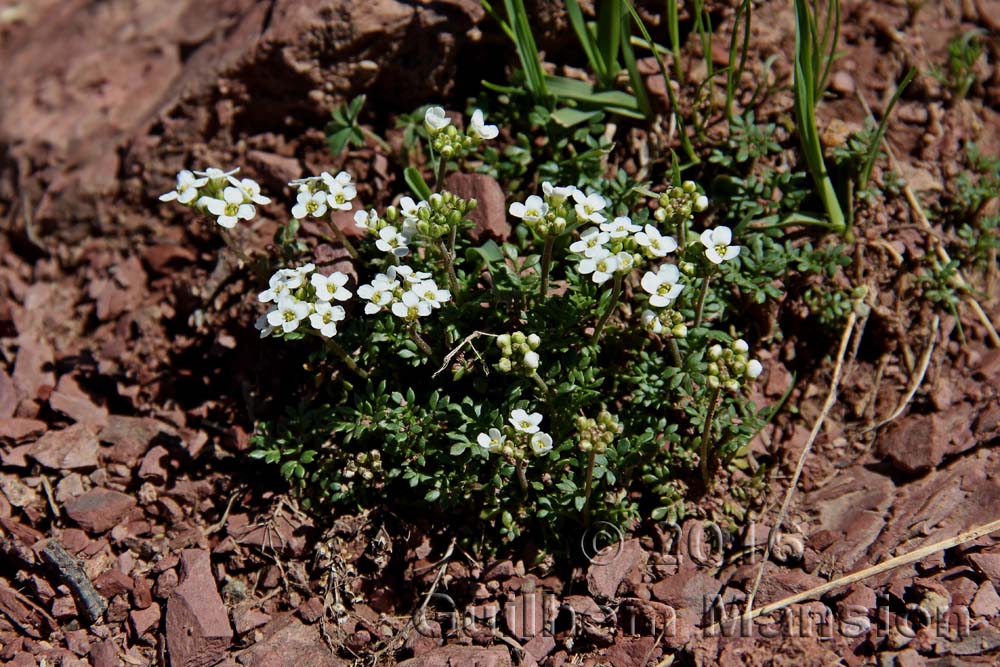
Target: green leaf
417,183
568,117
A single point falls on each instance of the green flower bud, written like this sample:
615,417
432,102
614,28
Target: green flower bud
715,352
503,340
518,337
713,382
504,365
534,340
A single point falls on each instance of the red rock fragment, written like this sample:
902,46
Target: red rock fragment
311,610
18,429
72,448
113,582
490,214
144,620
249,619
464,656
99,509
198,630
612,565
130,438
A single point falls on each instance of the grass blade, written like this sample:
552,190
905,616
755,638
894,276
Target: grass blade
872,153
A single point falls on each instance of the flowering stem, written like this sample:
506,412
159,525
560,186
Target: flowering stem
348,246
450,266
589,487
681,235
346,358
233,245
675,351
616,291
441,171
701,300
421,343
543,287
705,435
522,477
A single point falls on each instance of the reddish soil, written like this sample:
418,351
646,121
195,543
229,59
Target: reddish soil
130,376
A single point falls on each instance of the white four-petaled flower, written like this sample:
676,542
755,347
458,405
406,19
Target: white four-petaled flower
392,240
230,209
662,286
532,210
379,293
309,204
251,190
589,207
411,306
541,443
591,242
717,245
602,265
288,314
492,439
331,287
435,119
341,195
481,129
620,227
324,318
187,188
366,219
524,422
429,292
557,194
655,244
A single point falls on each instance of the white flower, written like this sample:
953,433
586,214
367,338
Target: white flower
754,369
410,209
366,219
557,194
531,360
309,204
589,207
492,439
379,293
436,120
305,269
532,210
341,195
262,325
391,240
215,174
652,322
481,129
541,443
187,188
411,306
716,242
331,287
230,209
407,273
524,422
591,242
288,314
429,292
342,179
662,286
625,262
656,244
281,283
602,265
325,317
620,227
250,189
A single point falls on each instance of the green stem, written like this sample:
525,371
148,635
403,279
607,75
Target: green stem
681,236
442,169
543,287
227,237
701,300
615,294
346,358
342,238
589,487
450,267
541,384
675,351
421,343
705,436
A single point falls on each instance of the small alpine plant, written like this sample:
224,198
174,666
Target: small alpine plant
580,370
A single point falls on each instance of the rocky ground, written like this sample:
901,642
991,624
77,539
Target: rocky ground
134,530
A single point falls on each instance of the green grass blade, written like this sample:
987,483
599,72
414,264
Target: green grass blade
585,38
527,51
609,37
873,147
635,78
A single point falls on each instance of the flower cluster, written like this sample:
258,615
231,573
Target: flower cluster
616,247
318,195
522,433
218,193
548,215
597,434
730,367
301,294
678,204
522,345
408,294
446,139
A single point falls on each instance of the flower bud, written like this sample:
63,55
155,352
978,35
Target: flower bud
754,369
680,331
504,365
518,337
534,340
503,340
715,352
732,385
713,368
531,360
740,345
713,382
701,203
586,445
